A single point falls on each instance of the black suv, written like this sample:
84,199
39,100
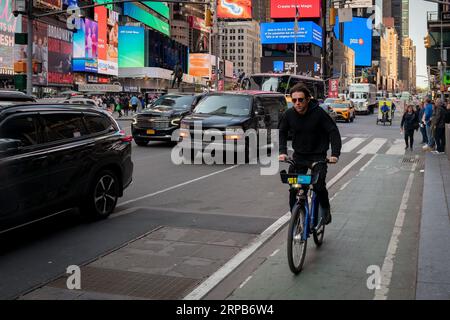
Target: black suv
231,111
162,118
58,157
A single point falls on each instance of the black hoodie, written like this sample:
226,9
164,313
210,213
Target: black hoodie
312,133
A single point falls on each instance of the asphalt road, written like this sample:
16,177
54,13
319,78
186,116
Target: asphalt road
240,203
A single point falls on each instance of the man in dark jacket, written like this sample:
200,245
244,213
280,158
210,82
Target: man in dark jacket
312,130
438,125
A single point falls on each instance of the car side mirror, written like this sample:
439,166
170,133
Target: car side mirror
10,145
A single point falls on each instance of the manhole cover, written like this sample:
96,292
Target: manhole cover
132,284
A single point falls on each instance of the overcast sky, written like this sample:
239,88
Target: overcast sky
417,31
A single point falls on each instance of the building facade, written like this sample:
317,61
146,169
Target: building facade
241,44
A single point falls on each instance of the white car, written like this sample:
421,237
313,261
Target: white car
84,101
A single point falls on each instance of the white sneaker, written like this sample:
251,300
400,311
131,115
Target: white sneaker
435,152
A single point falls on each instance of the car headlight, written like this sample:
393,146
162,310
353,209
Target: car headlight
234,133
175,122
134,120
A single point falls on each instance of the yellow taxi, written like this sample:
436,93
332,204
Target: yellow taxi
345,110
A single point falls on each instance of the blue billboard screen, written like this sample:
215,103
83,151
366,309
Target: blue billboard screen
278,66
283,33
358,36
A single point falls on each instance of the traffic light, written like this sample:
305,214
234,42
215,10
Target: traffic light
427,41
208,17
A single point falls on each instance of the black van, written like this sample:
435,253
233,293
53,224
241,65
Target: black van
236,110
58,157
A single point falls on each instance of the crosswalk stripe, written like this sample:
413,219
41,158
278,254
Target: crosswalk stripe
343,138
352,144
373,146
397,148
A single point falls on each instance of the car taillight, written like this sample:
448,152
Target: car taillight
125,138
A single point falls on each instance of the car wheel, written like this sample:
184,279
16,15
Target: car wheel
141,143
102,195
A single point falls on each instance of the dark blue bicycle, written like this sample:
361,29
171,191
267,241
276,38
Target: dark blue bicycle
305,217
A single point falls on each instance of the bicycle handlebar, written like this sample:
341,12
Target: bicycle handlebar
291,161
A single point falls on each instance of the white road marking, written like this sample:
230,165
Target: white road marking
275,252
176,186
388,264
212,281
244,283
344,171
352,144
373,146
368,163
398,148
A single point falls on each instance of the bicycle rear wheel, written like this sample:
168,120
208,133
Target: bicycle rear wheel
296,247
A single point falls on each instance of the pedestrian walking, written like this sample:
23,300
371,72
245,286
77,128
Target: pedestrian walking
409,124
134,103
427,119
423,129
438,126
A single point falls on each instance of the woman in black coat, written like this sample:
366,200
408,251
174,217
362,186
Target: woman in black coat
410,122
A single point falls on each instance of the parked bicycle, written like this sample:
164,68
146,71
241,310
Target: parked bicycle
305,217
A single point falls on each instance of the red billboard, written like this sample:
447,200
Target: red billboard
60,49
286,8
333,88
234,9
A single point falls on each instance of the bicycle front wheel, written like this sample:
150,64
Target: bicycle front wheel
296,246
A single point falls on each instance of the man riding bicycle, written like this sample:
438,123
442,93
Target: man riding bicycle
312,130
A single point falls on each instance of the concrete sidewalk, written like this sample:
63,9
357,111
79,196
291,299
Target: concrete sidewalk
433,281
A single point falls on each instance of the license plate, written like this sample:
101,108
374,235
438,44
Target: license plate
150,131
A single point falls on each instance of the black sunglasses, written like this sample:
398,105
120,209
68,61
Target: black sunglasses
294,100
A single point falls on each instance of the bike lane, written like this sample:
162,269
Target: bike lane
376,218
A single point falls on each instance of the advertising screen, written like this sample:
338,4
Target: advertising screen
278,66
131,47
8,25
91,39
234,9
40,51
358,36
135,12
283,32
79,42
286,8
158,7
60,51
108,6
107,41
199,65
48,4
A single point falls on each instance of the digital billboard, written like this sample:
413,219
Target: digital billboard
108,6
278,66
91,38
59,56
283,32
108,38
48,4
131,47
234,9
8,26
286,8
79,42
135,12
200,65
358,36
158,7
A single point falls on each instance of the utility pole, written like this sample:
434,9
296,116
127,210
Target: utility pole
30,48
216,33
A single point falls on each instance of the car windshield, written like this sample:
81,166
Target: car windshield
173,103
267,83
225,105
339,105
358,95
330,100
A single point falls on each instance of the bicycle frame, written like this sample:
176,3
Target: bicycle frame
310,208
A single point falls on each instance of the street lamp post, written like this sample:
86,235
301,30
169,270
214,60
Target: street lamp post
30,49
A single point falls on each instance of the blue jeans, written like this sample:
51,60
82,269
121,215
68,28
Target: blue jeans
430,136
423,131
